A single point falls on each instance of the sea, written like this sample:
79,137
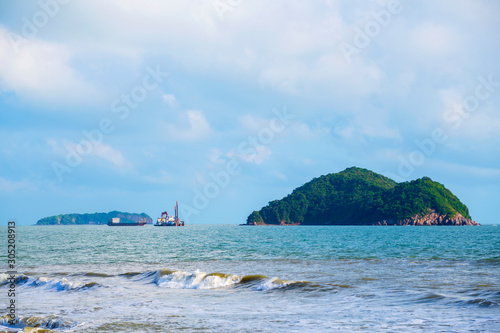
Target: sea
230,278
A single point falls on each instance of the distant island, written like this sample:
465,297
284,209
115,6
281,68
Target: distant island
96,218
358,196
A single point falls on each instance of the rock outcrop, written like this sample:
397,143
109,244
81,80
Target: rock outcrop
432,218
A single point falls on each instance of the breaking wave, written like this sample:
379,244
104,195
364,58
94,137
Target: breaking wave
196,280
19,279
178,279
174,279
45,322
50,284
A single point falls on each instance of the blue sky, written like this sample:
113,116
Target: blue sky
225,105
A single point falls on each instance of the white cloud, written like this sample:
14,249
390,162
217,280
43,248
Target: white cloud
371,124
39,71
299,54
310,133
344,132
215,156
9,186
450,97
469,128
107,153
475,13
256,155
170,100
84,150
252,123
280,175
434,39
192,126
478,132
375,125
164,177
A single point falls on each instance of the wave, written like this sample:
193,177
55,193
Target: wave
19,279
92,274
178,279
41,322
275,283
130,274
483,295
196,280
60,285
50,284
478,297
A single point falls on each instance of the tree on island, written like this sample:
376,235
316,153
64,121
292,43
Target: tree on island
255,218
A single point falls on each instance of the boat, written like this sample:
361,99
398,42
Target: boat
170,221
116,222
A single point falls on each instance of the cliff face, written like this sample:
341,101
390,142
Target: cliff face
432,218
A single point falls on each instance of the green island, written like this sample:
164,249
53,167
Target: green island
96,218
358,196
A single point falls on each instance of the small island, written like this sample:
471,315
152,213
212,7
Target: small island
358,196
96,218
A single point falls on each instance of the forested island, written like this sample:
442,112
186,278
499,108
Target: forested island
358,196
96,218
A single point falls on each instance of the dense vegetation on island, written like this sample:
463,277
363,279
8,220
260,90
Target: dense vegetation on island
96,218
358,197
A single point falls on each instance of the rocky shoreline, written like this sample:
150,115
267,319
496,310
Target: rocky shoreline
432,218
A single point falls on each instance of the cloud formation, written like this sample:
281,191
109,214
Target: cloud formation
226,76
39,71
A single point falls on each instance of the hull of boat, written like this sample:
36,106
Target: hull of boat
126,224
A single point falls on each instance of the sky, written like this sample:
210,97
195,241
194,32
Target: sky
225,105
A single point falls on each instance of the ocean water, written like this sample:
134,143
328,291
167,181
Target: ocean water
228,278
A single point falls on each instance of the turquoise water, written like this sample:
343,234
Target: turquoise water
268,279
